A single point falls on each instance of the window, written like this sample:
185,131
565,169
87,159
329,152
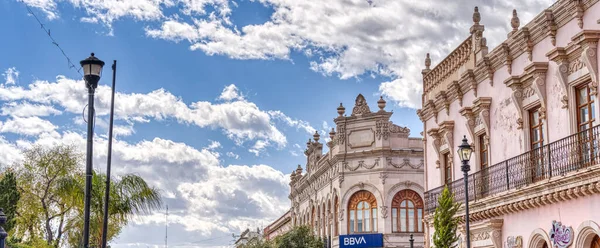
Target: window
536,140
483,153
484,164
447,170
407,212
335,216
586,114
362,213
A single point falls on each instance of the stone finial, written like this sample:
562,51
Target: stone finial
360,107
427,62
332,134
341,110
381,104
476,16
299,170
514,22
308,142
316,136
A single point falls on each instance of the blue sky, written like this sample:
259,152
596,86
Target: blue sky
217,98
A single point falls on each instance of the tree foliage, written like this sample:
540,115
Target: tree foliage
444,222
298,237
51,183
9,197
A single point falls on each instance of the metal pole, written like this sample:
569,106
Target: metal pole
3,233
88,167
109,159
465,176
412,241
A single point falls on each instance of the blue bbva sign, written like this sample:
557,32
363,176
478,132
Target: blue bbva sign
361,240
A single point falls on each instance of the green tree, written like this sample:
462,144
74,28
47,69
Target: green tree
45,209
50,212
444,222
9,197
298,237
129,195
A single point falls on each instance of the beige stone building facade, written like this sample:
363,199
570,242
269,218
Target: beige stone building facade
370,180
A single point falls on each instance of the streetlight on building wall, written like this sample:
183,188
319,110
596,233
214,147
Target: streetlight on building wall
92,71
464,152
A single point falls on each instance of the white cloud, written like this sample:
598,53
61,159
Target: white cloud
29,126
27,109
46,6
213,145
299,124
231,92
11,75
240,120
352,38
233,155
123,130
343,38
259,147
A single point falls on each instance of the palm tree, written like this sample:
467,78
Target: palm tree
130,195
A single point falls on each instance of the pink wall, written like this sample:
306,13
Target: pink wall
506,141
570,213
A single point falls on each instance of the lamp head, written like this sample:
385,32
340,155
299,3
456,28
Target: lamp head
92,70
465,150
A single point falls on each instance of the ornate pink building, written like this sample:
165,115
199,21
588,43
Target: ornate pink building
370,182
528,107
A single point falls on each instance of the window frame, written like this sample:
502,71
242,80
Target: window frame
407,196
447,167
362,196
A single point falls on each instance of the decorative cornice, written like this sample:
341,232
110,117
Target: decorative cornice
580,184
521,41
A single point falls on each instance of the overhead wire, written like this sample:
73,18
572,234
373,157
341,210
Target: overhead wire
54,42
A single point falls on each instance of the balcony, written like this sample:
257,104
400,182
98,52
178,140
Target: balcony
556,159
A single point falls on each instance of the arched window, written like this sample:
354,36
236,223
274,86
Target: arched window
335,216
362,212
313,219
407,212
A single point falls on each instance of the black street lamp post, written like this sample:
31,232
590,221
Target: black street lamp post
92,71
464,151
412,241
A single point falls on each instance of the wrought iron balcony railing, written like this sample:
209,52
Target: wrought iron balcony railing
555,159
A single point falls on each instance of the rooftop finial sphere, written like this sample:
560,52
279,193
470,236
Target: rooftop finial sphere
381,103
476,15
341,110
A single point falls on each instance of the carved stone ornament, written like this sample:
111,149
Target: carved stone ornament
362,164
341,214
384,212
405,162
579,12
382,129
507,57
561,71
528,43
383,176
341,134
551,26
589,55
360,106
561,236
514,242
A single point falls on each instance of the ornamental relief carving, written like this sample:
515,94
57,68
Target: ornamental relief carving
405,162
574,66
382,129
362,164
360,106
341,134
